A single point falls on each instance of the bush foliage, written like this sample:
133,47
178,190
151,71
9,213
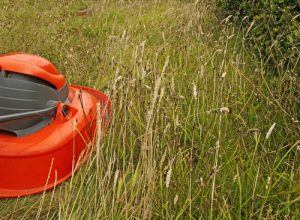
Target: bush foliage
272,26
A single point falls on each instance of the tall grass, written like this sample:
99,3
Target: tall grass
197,130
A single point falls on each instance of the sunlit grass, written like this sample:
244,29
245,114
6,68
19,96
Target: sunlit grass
192,110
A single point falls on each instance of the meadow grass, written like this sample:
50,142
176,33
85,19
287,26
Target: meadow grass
199,129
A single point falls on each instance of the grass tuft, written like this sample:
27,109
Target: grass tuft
193,132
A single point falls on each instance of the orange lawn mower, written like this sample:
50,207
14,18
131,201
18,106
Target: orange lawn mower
46,126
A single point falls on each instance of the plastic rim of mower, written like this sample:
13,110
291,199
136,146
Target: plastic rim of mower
43,146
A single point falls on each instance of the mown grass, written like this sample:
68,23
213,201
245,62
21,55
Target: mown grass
190,136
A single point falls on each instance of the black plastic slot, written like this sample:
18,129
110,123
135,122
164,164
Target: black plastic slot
24,77
8,133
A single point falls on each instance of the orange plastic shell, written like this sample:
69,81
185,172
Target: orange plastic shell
32,65
42,160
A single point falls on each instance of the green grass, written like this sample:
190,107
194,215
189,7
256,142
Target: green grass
173,71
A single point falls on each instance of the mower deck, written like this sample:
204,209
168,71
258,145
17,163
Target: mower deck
42,160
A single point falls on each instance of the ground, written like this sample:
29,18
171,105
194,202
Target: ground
199,130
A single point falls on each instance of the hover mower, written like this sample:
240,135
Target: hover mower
46,126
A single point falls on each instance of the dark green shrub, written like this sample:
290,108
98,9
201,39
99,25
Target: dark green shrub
272,27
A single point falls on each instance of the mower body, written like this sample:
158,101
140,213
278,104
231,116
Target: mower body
47,127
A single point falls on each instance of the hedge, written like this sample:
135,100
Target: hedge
272,27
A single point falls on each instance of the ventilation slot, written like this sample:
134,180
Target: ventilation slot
20,76
8,133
